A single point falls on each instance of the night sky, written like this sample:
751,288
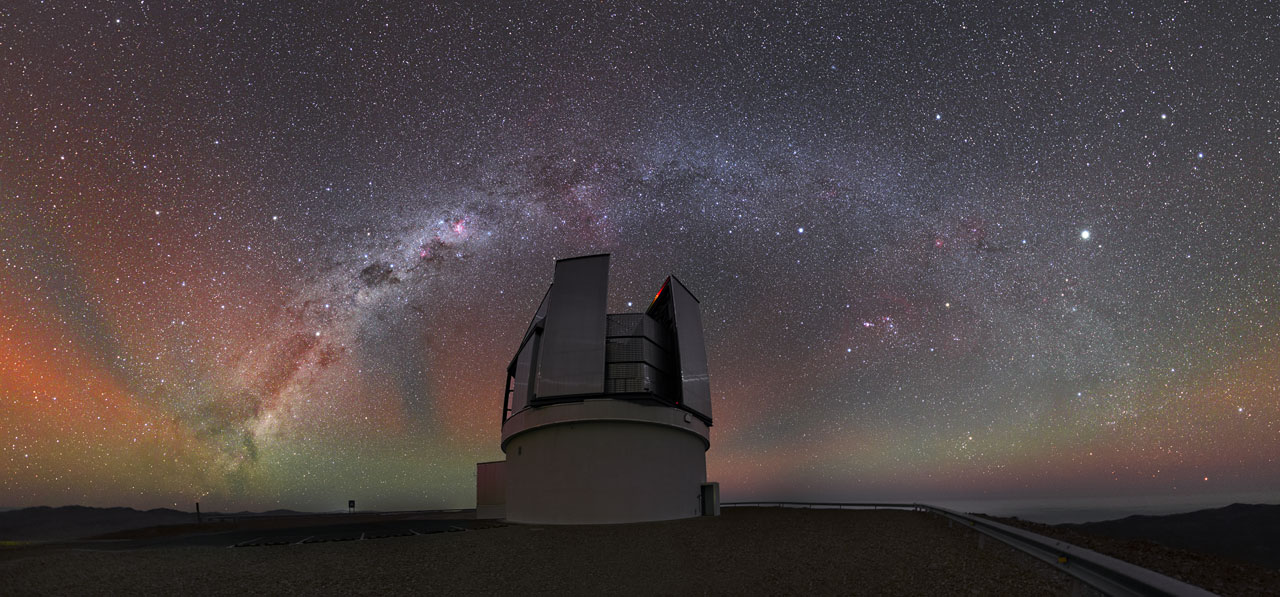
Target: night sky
268,257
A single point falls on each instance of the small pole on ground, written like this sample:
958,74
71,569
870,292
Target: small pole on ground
198,521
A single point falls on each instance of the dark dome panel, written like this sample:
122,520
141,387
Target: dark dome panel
573,350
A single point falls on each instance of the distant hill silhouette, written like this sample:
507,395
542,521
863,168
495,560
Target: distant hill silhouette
1248,532
72,522
75,522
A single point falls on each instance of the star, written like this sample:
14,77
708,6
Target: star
428,173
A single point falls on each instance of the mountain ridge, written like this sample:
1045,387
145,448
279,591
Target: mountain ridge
57,523
1248,532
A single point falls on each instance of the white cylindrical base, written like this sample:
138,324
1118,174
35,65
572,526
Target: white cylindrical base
604,471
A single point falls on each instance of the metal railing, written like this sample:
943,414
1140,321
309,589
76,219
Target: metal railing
1105,573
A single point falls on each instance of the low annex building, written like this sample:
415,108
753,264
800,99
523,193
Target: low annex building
606,417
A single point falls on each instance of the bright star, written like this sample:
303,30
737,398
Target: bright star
1084,234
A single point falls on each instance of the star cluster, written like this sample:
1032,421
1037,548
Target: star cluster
266,256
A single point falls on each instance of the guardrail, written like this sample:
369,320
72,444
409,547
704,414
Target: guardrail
1105,573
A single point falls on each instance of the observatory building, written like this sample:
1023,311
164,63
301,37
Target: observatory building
606,417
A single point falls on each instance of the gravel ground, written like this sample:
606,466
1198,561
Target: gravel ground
747,551
1221,575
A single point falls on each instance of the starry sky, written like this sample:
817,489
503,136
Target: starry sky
271,256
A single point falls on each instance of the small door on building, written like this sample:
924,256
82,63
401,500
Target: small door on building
711,499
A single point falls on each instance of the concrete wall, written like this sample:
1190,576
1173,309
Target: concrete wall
604,471
491,490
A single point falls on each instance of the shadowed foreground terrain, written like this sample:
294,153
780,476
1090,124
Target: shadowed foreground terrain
72,522
1137,540
745,551
1248,532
